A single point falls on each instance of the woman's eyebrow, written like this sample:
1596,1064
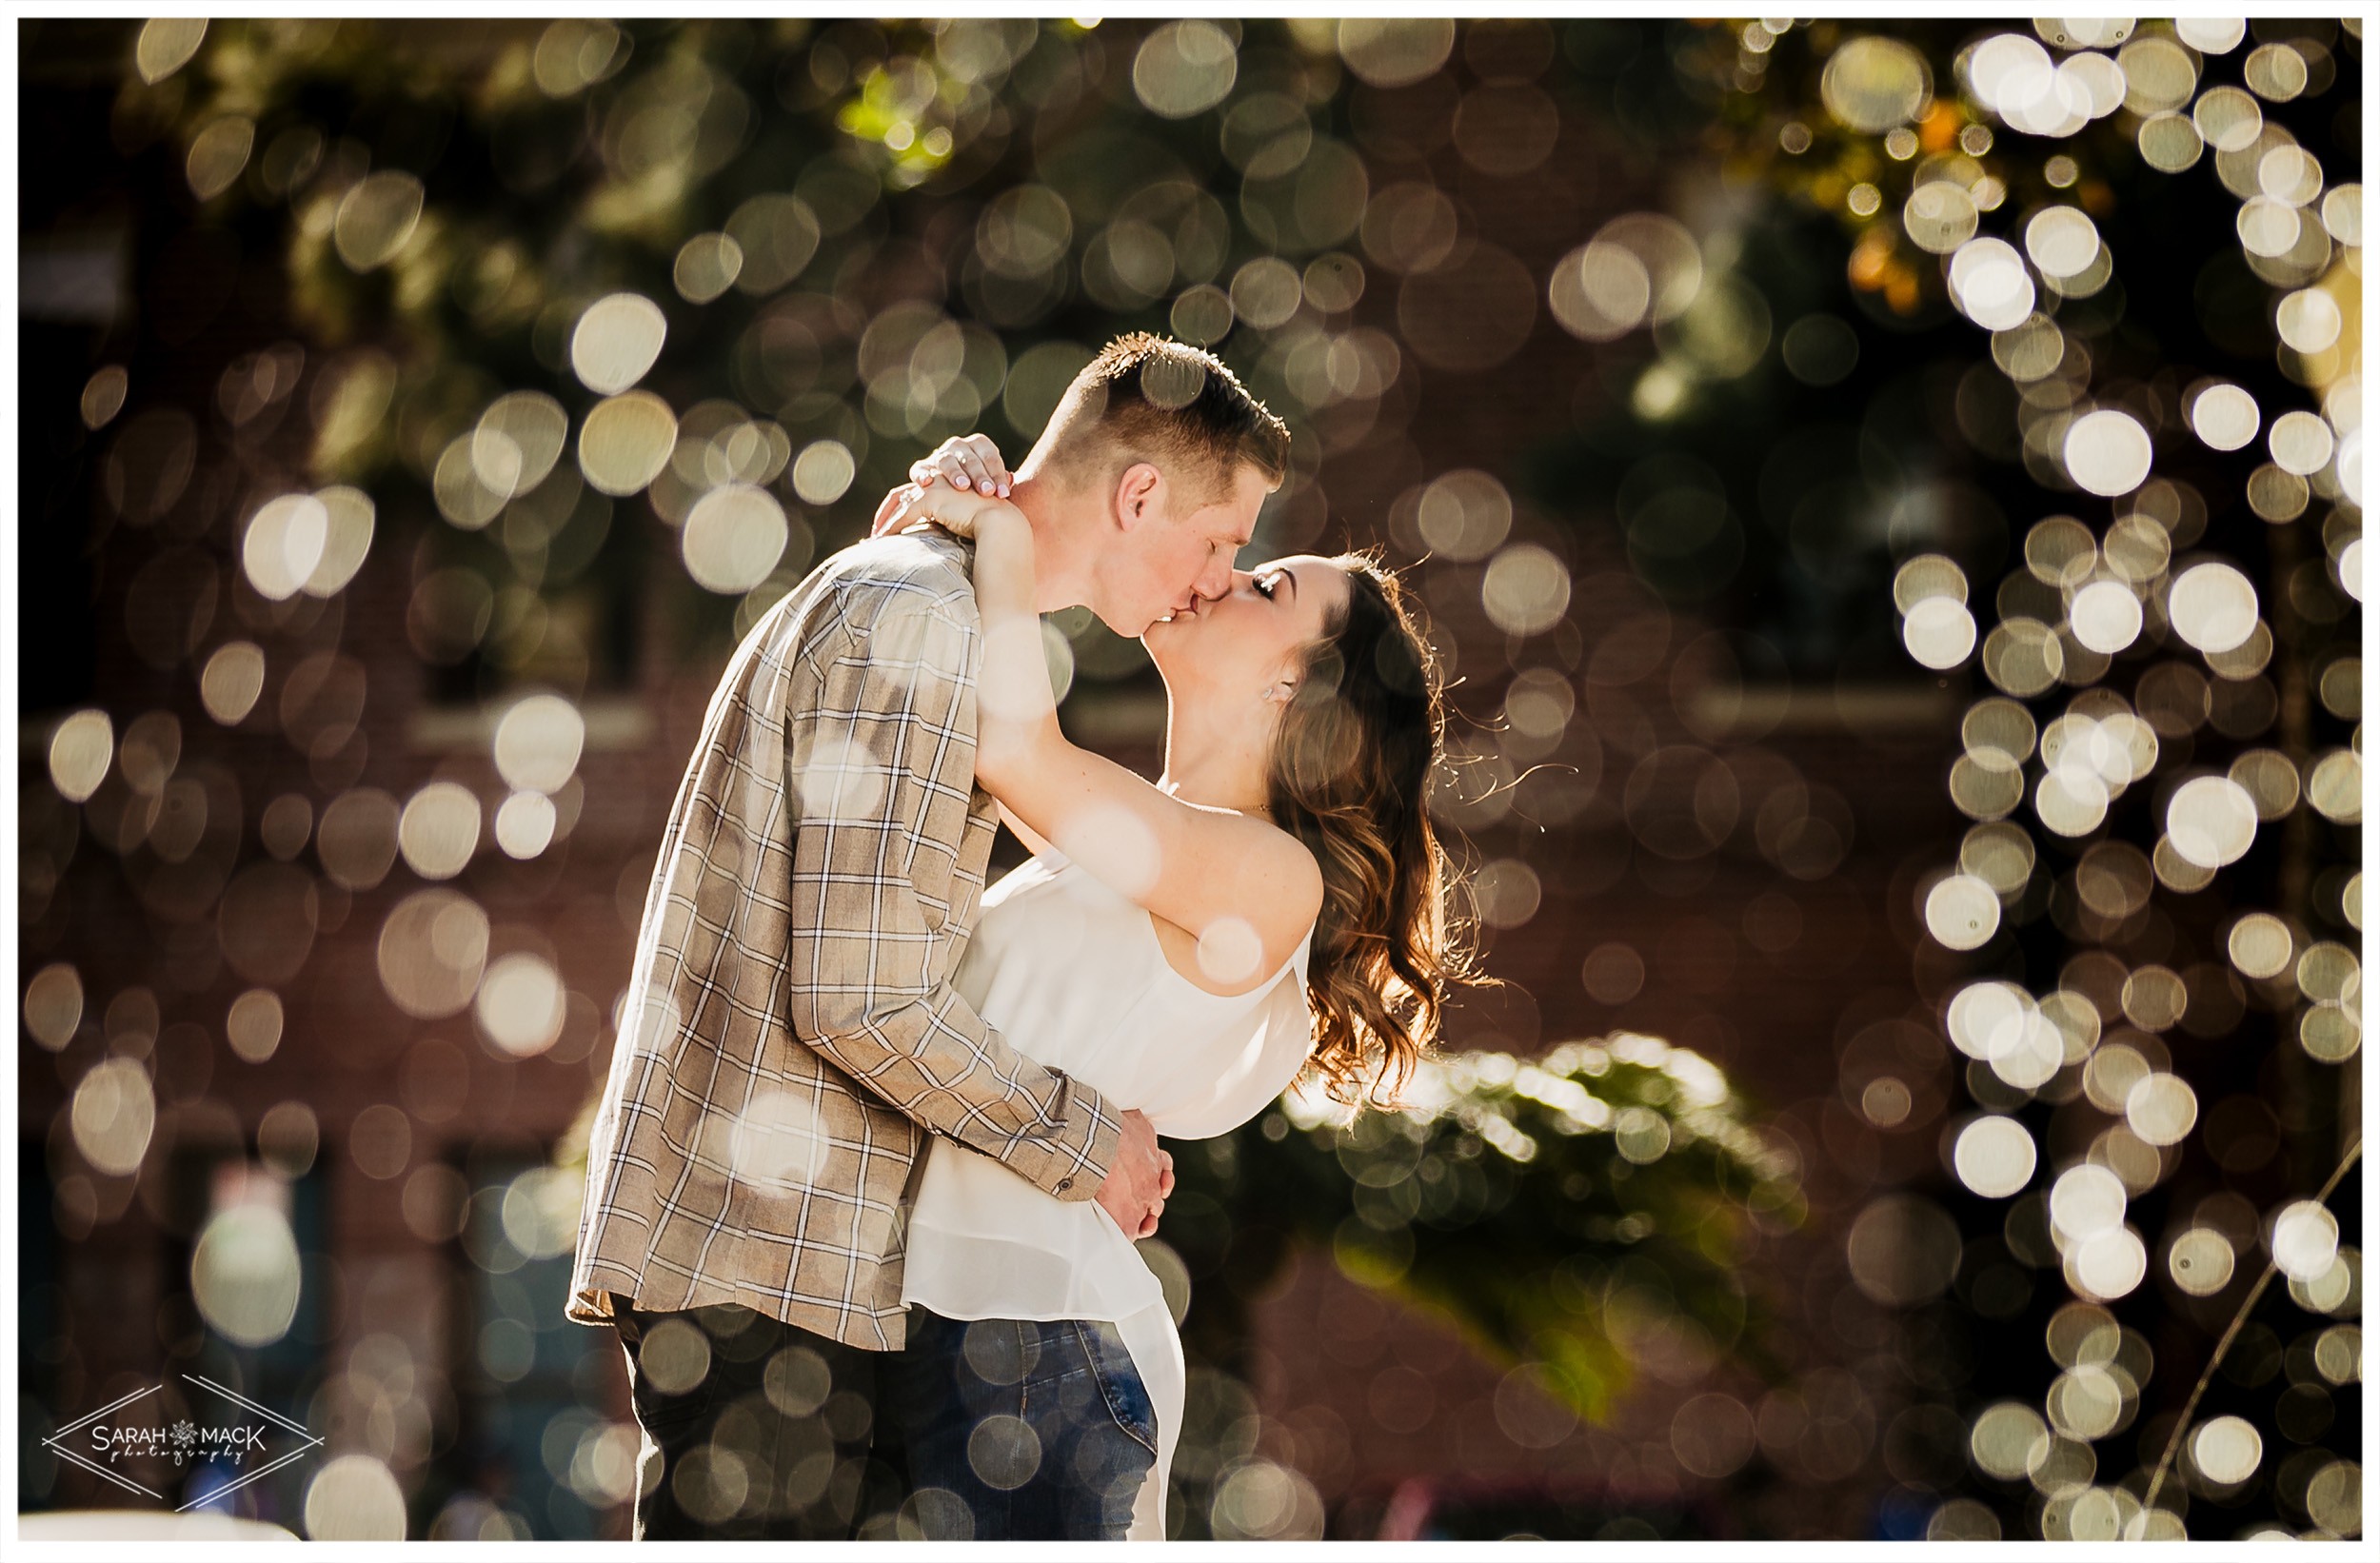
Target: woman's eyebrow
1292,576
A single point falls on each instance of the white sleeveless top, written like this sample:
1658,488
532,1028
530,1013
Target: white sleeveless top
1071,974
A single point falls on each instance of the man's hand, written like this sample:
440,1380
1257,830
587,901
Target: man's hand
1138,1180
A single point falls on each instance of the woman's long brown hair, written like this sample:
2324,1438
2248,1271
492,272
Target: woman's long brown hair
1350,777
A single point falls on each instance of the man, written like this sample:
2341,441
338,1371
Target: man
790,1034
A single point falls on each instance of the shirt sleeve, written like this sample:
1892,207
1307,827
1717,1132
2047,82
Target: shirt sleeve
881,770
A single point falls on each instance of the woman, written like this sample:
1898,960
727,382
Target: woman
1275,902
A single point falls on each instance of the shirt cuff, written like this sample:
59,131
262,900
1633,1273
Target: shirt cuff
1067,1152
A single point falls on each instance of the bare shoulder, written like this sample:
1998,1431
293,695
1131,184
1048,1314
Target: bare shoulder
1270,859
1273,891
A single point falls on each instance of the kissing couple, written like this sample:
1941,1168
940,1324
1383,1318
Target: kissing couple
876,1143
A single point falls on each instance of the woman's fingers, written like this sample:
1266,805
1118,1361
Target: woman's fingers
984,463
949,468
903,510
887,514
963,464
969,463
966,471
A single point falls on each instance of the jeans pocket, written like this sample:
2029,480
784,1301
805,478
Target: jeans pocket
1118,1381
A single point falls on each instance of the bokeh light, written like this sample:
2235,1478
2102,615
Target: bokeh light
625,441
376,218
432,949
354,1498
2213,606
520,1004
2212,820
2108,452
2227,1450
2225,417
1995,1156
2201,1261
285,545
734,537
614,343
537,743
2305,1241
438,831
1876,84
114,1114
245,1274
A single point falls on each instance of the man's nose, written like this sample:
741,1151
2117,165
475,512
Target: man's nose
1218,581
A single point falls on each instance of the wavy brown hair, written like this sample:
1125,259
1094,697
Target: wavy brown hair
1349,777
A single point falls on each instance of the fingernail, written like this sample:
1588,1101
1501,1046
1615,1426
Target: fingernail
1004,491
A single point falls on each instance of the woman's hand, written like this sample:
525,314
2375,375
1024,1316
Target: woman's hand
964,468
964,462
961,514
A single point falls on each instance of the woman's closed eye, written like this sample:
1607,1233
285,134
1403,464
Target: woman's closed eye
1267,586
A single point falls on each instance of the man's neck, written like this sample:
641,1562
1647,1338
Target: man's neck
1062,542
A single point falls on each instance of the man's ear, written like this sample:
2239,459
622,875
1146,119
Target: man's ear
1139,494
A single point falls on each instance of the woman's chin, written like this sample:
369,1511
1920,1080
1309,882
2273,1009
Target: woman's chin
1171,644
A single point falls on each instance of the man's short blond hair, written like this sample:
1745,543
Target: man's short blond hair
1149,398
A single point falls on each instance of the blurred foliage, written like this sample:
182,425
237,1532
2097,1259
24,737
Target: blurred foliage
1559,1211
455,219
460,222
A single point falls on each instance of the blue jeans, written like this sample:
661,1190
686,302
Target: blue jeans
1020,1430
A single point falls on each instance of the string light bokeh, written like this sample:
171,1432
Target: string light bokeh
1886,496
2146,599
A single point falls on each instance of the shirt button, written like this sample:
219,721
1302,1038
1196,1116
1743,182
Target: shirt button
1065,1183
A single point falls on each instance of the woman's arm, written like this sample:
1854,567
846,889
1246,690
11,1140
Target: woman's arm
1014,702
1015,705
1031,837
1245,889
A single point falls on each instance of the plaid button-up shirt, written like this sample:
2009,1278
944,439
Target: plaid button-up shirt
791,1035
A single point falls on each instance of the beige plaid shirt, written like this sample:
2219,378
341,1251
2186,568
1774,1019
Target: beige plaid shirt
791,1035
